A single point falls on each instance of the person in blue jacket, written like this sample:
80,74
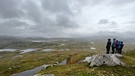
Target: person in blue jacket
114,46
121,47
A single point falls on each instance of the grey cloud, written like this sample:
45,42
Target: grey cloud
48,26
130,22
107,21
90,2
43,25
10,8
59,18
13,23
103,21
56,6
121,2
95,2
118,3
10,27
64,21
113,23
32,11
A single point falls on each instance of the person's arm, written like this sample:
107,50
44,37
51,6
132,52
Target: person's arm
106,44
110,43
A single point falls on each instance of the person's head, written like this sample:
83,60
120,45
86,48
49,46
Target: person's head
121,42
114,39
109,39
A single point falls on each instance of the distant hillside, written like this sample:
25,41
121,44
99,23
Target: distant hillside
40,42
10,41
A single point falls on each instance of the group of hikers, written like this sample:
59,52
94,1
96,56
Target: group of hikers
116,45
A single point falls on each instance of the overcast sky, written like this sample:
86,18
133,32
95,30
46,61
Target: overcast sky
67,18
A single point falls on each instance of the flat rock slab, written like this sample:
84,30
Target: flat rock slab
108,59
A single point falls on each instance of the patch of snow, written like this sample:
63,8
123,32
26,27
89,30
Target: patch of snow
38,41
67,49
9,50
47,50
62,44
92,42
10,68
28,50
92,48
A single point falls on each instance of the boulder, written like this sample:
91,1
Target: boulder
108,59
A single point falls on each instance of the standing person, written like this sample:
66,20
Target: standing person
121,47
108,45
113,46
116,46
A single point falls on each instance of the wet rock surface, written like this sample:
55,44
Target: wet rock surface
37,69
64,62
28,72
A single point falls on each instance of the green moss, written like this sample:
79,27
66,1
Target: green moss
116,70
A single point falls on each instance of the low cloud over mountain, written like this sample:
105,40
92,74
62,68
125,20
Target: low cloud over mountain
67,18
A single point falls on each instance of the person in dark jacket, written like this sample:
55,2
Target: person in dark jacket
108,45
113,46
121,47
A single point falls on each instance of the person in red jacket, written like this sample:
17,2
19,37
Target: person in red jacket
117,42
